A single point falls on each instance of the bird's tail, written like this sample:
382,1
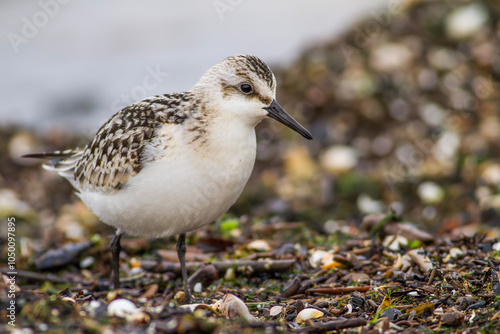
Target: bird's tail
62,162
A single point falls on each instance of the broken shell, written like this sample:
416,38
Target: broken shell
456,252
439,311
320,257
496,246
139,318
259,246
398,263
308,314
122,308
231,306
424,263
196,307
332,265
394,243
179,296
135,262
275,310
405,262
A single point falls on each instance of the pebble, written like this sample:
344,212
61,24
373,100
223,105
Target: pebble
452,318
430,192
339,159
391,57
466,21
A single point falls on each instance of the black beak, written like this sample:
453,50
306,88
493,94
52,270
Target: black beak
278,113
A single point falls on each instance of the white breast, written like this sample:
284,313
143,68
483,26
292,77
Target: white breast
190,186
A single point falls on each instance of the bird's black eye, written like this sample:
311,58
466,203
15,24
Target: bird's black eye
246,88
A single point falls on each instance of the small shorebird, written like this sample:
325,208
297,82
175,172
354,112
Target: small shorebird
172,163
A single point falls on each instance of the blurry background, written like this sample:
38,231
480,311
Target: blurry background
402,98
71,63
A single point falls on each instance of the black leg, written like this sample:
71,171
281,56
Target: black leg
181,252
115,266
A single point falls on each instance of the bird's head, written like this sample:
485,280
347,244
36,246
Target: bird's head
245,88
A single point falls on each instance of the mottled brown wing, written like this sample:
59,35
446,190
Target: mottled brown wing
115,154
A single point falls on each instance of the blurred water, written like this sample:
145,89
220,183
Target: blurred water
73,64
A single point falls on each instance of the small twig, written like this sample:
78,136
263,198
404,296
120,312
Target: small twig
332,325
433,274
41,277
222,266
339,291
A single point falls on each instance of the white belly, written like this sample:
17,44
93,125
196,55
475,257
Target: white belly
183,191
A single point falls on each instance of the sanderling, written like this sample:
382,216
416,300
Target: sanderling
172,163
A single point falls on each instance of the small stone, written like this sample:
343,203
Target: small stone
391,313
446,148
87,262
432,114
452,318
356,277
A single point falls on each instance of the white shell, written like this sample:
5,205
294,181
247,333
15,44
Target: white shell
307,314
496,246
394,243
275,310
231,306
122,308
320,257
198,287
